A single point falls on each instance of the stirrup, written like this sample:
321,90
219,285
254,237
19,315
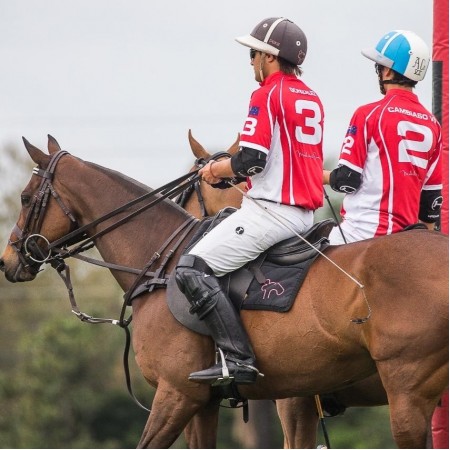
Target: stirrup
225,379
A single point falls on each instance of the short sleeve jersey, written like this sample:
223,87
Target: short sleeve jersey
395,144
285,121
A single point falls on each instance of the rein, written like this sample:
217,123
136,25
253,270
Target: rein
184,197
169,190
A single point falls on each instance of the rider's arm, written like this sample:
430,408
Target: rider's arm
246,162
343,179
430,207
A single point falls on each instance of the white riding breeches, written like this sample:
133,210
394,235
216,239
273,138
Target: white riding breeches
352,232
248,232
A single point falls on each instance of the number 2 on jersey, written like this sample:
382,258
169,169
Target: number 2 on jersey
405,146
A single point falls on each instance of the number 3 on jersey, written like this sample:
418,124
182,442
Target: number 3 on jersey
250,126
312,132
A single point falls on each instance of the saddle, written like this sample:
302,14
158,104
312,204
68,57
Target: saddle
271,282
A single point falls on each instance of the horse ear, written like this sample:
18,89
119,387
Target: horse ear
197,148
235,146
53,145
38,156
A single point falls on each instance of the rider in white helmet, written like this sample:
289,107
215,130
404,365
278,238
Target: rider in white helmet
389,166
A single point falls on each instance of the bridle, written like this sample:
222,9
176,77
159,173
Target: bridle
32,256
29,252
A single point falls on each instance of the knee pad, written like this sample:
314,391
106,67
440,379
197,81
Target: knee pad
197,282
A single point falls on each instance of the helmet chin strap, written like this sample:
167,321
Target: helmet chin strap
261,75
381,82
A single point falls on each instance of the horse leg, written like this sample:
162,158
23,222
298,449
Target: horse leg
201,431
299,420
171,412
413,394
410,421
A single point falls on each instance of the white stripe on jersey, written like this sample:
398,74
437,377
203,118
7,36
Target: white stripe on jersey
288,136
363,205
430,171
391,174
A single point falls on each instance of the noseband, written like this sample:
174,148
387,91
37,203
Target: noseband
30,253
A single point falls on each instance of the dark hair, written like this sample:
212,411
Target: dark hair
401,79
398,77
289,68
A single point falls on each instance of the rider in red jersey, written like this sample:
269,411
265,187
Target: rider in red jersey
389,166
281,155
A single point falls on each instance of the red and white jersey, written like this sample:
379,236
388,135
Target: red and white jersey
285,121
395,144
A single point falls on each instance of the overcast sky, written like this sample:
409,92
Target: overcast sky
120,82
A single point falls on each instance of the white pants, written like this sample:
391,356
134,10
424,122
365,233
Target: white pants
248,232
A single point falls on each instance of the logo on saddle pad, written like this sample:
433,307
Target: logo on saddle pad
271,287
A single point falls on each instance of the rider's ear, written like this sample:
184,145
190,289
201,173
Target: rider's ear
38,156
53,145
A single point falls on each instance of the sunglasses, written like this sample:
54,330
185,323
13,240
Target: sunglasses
252,53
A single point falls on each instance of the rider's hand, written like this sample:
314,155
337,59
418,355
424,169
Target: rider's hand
207,173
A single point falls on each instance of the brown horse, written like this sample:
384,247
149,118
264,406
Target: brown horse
312,348
298,415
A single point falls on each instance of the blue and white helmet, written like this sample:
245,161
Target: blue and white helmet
402,51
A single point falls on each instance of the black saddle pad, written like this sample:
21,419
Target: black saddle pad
278,291
269,283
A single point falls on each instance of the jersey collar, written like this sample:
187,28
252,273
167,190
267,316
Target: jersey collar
274,77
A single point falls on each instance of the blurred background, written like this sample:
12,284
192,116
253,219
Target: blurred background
119,83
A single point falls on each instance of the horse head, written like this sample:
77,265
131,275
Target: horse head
43,217
211,200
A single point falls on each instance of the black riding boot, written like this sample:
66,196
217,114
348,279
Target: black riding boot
196,280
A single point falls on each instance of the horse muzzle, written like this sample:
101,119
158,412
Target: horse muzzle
15,271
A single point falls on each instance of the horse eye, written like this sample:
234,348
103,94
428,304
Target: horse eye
25,199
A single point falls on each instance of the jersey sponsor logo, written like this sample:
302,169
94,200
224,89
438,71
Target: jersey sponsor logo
352,129
254,111
239,230
347,189
254,170
304,154
437,203
407,112
410,173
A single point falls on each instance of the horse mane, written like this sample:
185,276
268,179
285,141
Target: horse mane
130,184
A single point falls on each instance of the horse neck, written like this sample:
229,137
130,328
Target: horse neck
95,191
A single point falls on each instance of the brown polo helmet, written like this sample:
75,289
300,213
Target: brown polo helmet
278,36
